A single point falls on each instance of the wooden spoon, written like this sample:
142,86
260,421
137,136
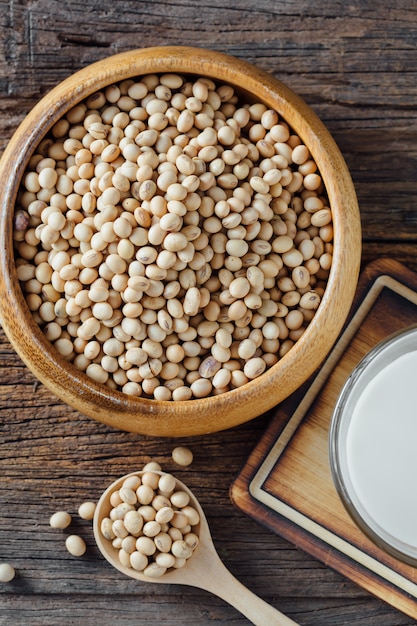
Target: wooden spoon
203,570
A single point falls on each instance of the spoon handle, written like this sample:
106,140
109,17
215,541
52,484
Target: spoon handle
217,579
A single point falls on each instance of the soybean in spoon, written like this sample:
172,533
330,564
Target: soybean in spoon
203,569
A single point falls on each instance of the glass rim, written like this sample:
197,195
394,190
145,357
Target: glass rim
395,345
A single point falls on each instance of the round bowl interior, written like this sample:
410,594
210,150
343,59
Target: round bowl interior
214,413
371,445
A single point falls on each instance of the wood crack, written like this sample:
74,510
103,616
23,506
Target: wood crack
82,40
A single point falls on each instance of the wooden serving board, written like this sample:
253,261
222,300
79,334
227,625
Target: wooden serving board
286,483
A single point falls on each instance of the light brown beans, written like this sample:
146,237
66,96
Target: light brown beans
191,301
246,349
254,367
168,223
209,367
7,572
138,561
60,519
239,287
301,277
145,535
310,300
75,545
322,217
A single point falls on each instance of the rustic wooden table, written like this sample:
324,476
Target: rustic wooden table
355,63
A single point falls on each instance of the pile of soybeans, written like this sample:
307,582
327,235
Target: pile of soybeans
172,240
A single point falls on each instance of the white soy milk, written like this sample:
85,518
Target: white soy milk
381,449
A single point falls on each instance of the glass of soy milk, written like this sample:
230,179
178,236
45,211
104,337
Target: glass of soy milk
373,445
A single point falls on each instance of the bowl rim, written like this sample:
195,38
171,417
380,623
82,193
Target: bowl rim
193,416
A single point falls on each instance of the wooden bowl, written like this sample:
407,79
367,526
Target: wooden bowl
199,416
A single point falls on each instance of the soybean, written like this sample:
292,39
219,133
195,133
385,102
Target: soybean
75,545
7,572
60,519
86,510
182,456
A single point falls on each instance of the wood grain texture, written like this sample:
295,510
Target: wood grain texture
355,63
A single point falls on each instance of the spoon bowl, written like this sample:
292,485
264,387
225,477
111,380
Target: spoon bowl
204,569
